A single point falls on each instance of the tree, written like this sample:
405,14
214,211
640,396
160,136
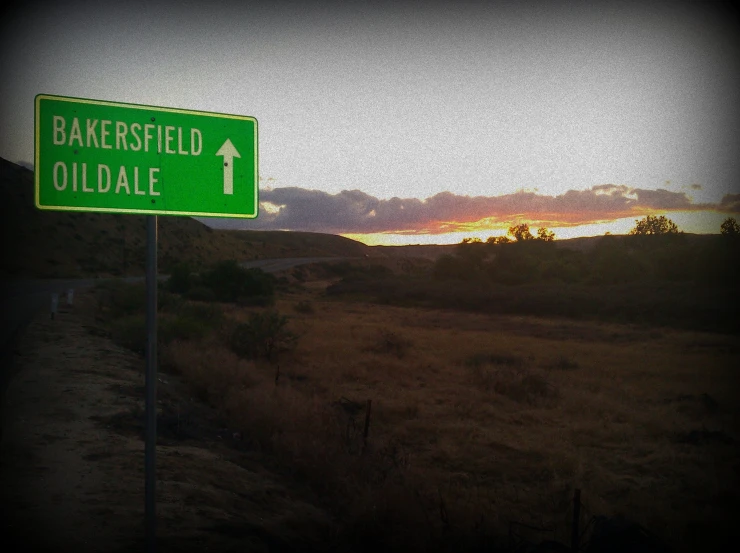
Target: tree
521,232
653,225
498,240
263,335
545,235
730,227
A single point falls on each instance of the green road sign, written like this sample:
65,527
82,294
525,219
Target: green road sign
92,155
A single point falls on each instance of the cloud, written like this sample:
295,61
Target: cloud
663,199
354,211
731,203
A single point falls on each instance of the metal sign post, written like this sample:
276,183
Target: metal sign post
150,451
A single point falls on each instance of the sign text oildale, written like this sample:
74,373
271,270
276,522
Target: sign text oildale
103,156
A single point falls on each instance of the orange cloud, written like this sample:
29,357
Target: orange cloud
355,212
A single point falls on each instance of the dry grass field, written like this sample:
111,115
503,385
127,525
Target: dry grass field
481,424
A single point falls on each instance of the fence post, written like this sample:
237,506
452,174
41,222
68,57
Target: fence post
367,423
54,305
574,538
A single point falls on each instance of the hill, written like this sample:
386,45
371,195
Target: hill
48,244
587,243
581,244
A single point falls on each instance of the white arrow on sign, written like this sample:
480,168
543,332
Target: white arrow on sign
228,152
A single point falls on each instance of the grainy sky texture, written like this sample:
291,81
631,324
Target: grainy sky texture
419,122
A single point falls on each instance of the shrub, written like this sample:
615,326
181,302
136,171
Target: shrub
264,335
230,282
168,301
517,263
181,278
127,299
529,388
180,328
387,341
201,293
447,267
480,359
352,271
516,384
256,301
563,363
130,332
208,313
615,265
210,369
304,307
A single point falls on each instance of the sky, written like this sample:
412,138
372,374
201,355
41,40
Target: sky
420,122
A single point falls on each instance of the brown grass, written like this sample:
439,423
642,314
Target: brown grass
478,421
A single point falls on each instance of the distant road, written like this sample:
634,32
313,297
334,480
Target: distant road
276,265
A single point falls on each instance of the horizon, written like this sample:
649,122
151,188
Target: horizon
619,227
410,123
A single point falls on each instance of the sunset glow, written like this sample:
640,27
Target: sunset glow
706,222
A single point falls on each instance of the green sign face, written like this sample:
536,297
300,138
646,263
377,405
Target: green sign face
93,155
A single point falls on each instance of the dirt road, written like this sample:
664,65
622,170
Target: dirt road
72,458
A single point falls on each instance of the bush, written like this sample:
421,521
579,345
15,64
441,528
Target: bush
527,388
563,363
517,263
304,307
264,335
447,267
256,301
180,327
480,359
519,385
127,299
168,301
181,279
391,342
230,282
201,293
207,313
130,332
352,271
612,264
